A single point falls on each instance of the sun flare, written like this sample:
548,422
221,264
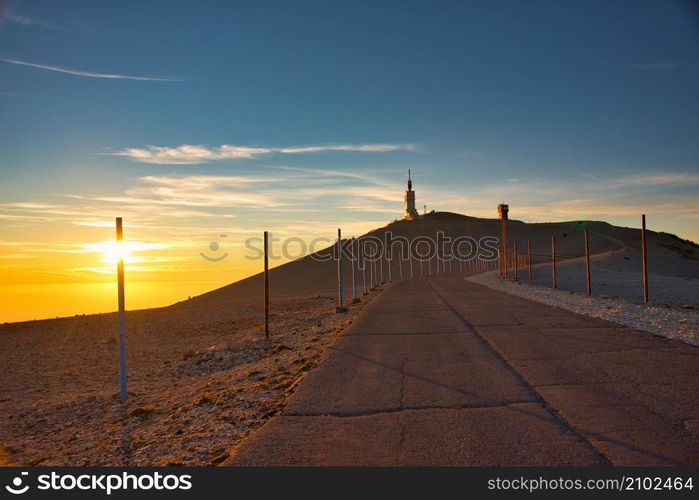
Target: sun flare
113,252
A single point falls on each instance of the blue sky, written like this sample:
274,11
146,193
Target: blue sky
303,116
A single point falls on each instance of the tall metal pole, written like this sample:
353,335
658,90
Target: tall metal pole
376,268
587,263
514,251
371,274
360,250
553,261
354,270
389,262
503,213
122,310
381,266
340,284
410,251
644,249
266,248
529,260
500,260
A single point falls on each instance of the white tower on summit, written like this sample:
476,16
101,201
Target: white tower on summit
410,212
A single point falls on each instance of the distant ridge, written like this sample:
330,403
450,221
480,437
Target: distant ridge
310,276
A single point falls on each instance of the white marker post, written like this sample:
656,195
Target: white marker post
266,271
371,274
553,262
644,253
355,298
360,251
375,266
381,266
122,313
389,262
340,281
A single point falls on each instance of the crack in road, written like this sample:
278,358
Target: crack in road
402,408
401,441
551,410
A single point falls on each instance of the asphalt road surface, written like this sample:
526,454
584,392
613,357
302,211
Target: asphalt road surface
442,371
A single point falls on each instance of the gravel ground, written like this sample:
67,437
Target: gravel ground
201,377
617,292
673,280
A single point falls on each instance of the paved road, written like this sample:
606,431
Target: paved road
442,371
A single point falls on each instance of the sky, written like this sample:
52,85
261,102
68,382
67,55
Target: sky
203,124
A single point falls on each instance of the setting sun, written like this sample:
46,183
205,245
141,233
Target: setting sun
113,252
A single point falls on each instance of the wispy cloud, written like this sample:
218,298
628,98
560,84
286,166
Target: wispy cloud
610,206
188,154
25,21
8,16
374,148
655,179
90,74
173,200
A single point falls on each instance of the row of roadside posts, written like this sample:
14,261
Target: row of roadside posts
512,261
375,268
509,264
